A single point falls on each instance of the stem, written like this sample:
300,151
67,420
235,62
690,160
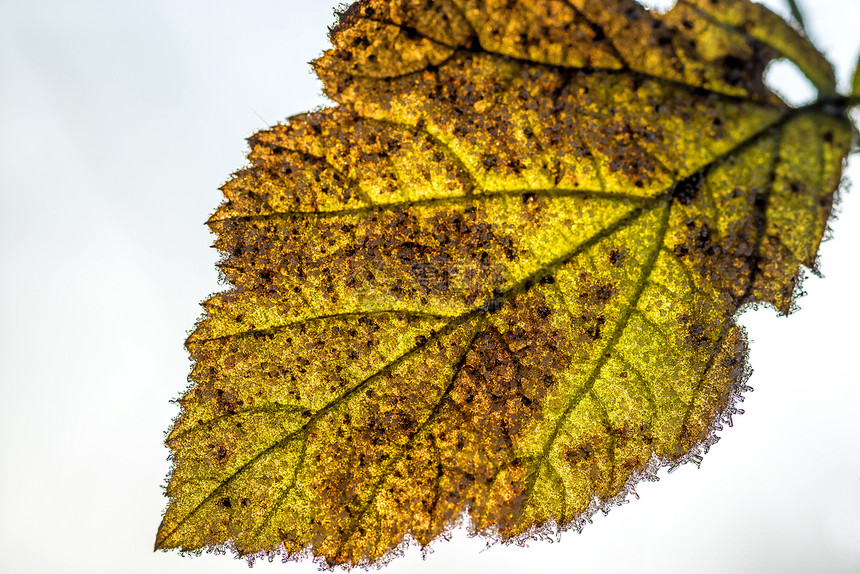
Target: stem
837,105
797,14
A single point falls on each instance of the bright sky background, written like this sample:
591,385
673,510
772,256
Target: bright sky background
118,122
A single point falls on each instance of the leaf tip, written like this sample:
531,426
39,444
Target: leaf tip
161,538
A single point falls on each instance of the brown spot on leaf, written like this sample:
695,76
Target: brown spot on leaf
579,454
686,190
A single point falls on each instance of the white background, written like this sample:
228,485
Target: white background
118,122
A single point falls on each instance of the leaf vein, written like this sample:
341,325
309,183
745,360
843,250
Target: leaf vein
616,335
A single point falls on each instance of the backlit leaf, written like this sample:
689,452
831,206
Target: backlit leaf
498,280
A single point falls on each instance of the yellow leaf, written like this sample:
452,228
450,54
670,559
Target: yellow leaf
500,278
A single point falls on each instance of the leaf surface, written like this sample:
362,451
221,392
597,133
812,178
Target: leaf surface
500,278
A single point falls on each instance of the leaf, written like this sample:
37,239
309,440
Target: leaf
764,26
499,281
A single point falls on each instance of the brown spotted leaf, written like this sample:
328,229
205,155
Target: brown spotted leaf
499,280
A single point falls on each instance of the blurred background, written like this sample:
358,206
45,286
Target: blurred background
118,123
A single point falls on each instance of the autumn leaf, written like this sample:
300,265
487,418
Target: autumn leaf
498,282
